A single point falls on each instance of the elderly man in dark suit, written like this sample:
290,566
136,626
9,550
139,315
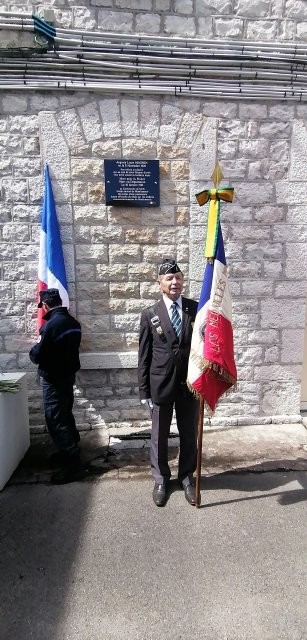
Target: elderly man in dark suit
164,348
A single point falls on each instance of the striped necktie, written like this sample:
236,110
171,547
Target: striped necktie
175,319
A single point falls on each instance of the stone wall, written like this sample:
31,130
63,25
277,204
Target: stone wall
111,253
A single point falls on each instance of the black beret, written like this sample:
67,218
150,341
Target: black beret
168,265
49,295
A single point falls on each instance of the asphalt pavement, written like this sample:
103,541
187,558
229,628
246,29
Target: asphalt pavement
98,560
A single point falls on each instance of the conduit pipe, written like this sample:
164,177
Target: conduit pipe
109,62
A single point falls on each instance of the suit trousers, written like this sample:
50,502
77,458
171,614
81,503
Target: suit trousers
58,400
186,409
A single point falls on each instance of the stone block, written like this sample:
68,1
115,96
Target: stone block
94,323
90,122
96,192
120,215
26,213
249,355
14,190
209,7
113,273
105,233
83,167
148,23
107,148
280,396
260,288
13,103
141,236
124,290
205,29
254,193
229,27
232,129
129,114
296,9
25,125
149,118
142,271
246,269
261,30
269,214
119,21
124,253
266,250
181,26
85,272
296,260
189,128
90,213
84,18
227,149
255,170
204,150
109,111
14,232
292,346
93,290
53,145
290,288
10,145
271,355
95,252
253,149
135,148
162,216
281,314
256,9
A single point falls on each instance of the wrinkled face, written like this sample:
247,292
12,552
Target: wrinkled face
171,284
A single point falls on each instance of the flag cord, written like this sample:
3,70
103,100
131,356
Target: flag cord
199,450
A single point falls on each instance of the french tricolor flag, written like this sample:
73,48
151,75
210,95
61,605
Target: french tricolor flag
212,369
51,267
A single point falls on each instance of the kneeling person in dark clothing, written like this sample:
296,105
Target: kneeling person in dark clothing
57,355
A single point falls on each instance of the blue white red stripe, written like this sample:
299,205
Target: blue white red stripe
212,369
51,266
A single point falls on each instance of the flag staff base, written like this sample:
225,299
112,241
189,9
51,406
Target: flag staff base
199,450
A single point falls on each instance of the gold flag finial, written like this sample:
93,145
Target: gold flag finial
217,175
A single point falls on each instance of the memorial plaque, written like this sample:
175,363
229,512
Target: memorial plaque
132,183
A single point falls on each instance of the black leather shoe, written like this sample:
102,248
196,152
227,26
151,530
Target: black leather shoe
159,495
190,493
66,475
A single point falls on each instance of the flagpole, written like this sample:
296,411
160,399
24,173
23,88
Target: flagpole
199,450
216,178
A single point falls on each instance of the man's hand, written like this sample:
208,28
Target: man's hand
148,403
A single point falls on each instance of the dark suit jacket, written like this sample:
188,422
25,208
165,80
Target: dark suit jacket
163,361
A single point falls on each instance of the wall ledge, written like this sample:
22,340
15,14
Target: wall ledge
109,360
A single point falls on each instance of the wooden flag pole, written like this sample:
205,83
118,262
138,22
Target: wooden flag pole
199,450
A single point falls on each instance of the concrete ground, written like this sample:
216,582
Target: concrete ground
255,447
97,560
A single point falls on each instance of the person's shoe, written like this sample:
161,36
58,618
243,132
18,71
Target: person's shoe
190,493
58,457
159,494
72,472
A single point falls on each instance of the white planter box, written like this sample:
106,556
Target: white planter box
14,426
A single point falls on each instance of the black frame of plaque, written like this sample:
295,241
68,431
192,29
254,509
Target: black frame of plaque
132,182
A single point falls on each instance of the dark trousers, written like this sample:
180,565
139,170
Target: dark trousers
58,403
186,409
